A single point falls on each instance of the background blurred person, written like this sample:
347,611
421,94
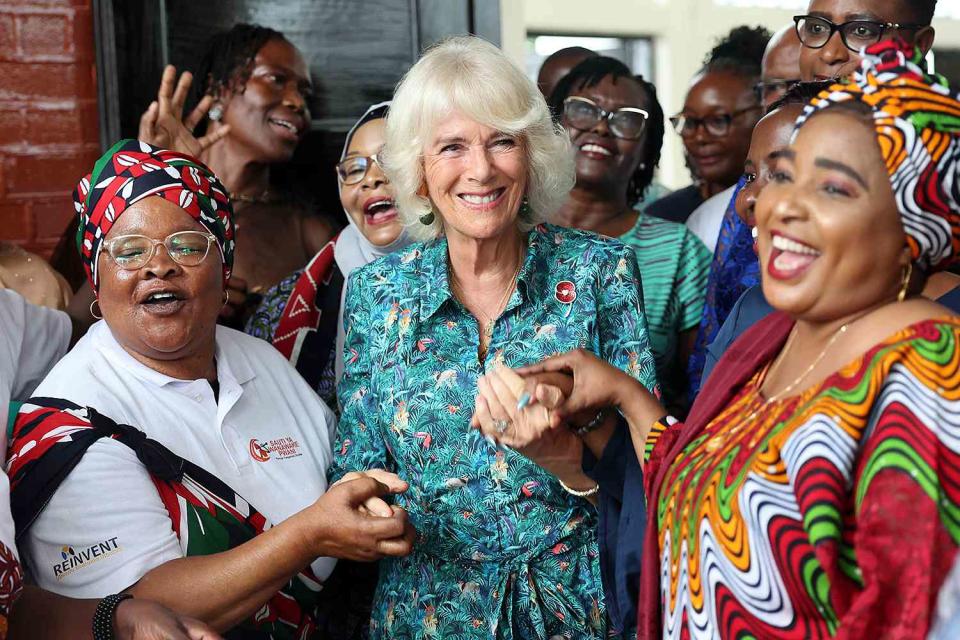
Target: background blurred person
734,268
557,65
226,463
780,67
33,278
505,549
718,115
719,111
616,127
833,32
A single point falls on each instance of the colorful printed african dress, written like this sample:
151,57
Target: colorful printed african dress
834,513
502,550
674,264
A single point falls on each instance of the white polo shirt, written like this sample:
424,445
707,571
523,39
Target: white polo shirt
32,339
706,220
268,438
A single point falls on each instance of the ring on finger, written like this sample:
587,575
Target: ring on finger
501,426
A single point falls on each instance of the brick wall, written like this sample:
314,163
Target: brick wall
48,115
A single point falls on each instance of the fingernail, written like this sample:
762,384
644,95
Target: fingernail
523,401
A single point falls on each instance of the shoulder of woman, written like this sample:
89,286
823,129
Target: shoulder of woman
580,241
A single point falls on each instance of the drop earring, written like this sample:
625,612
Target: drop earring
427,219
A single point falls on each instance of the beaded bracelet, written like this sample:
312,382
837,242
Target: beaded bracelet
579,494
104,614
593,425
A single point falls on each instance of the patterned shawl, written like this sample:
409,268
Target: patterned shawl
52,435
916,117
132,170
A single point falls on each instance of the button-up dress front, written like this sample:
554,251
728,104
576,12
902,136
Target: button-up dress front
502,551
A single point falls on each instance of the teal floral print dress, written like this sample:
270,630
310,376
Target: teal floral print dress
502,550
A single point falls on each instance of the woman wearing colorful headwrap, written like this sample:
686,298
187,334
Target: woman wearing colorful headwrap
214,501
812,492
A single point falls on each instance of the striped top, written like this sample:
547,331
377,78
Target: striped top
674,265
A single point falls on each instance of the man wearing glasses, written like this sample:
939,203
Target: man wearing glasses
833,32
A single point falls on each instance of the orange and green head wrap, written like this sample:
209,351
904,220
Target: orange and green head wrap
916,118
132,170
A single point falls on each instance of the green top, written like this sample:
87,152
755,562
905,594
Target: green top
674,265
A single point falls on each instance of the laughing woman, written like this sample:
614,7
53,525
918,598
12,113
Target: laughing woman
505,549
172,458
812,490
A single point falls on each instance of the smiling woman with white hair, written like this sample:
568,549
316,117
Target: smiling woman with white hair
506,548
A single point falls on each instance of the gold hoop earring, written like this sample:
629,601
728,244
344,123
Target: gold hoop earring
226,298
905,282
95,315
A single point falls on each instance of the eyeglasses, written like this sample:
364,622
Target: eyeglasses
353,170
815,32
718,125
766,91
186,248
627,122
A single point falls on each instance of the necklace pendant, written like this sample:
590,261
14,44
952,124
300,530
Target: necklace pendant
488,331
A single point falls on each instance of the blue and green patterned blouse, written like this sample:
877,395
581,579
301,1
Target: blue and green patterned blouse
503,551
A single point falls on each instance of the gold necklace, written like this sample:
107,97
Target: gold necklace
501,305
790,387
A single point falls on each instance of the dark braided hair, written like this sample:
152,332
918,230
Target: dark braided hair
801,93
740,52
228,59
923,10
590,73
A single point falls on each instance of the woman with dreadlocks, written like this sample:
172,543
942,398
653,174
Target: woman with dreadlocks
254,111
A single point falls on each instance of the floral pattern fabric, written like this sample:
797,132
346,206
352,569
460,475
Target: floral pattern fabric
833,513
502,550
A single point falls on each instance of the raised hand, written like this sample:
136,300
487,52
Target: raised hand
163,124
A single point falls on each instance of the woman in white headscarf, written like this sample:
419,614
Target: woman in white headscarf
305,322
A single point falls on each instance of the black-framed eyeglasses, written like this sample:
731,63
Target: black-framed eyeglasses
627,122
353,170
768,90
716,125
186,248
815,32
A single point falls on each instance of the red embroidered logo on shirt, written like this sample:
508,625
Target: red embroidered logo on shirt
566,292
277,449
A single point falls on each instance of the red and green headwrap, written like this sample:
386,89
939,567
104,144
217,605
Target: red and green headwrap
916,118
132,170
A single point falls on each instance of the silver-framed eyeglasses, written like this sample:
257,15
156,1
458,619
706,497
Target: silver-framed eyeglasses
186,248
354,169
583,114
815,32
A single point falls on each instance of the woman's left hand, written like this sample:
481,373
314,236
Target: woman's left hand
531,430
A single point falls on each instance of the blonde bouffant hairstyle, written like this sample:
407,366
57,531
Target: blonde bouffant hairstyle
469,75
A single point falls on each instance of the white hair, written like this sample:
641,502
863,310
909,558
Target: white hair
468,75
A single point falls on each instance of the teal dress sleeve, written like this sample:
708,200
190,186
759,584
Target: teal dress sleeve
359,445
621,322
